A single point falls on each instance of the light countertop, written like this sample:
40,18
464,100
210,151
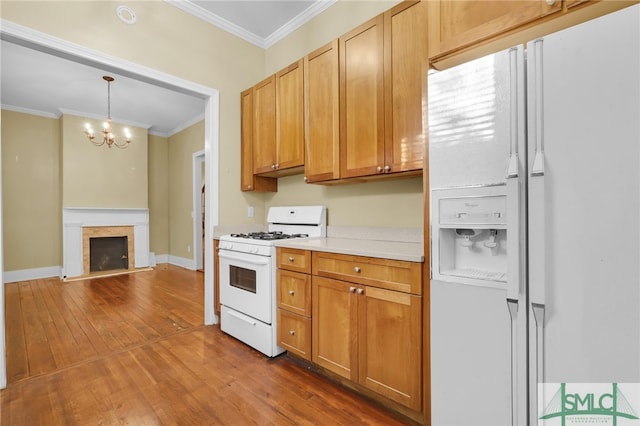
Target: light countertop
396,250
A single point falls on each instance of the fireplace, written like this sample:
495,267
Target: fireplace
81,225
106,248
108,254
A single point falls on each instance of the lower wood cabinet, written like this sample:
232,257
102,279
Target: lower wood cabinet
357,317
371,336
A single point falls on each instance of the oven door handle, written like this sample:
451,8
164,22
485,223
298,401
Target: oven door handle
245,258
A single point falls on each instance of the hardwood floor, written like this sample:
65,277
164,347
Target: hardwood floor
132,349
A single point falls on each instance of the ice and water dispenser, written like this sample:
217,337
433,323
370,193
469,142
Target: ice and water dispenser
469,235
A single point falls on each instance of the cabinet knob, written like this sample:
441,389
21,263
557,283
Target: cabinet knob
273,167
379,169
352,289
551,2
291,259
291,332
387,169
249,187
277,166
360,291
356,269
291,292
306,179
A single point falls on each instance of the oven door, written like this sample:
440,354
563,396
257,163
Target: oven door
245,283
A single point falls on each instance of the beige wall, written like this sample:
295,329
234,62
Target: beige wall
158,194
182,145
32,210
100,176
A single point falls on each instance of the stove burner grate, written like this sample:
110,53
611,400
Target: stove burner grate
275,235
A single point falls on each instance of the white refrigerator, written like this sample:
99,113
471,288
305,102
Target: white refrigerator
534,170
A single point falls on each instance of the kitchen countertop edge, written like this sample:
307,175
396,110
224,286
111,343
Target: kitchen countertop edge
395,250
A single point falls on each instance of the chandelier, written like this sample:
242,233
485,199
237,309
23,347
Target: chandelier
108,137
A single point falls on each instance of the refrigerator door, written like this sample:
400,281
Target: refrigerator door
584,204
478,329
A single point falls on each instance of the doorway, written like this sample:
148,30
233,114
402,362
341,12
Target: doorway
84,55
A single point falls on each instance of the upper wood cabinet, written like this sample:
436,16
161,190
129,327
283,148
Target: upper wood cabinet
382,68
264,125
362,100
454,25
405,67
278,135
248,180
322,120
289,119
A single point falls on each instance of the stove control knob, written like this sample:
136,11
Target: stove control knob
254,249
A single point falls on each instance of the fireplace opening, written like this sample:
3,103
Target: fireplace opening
108,253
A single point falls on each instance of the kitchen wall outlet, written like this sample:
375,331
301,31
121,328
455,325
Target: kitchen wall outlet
250,211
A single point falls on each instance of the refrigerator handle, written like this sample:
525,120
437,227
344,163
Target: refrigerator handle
538,315
537,168
514,93
536,219
516,97
512,305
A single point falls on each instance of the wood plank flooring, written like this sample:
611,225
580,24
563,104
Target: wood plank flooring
132,349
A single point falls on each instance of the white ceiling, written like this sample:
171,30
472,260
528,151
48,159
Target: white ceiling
39,81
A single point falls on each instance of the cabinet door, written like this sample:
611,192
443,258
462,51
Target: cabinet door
322,120
335,316
405,56
390,344
264,126
457,24
248,181
290,117
362,100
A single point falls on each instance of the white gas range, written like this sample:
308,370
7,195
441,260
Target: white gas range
248,274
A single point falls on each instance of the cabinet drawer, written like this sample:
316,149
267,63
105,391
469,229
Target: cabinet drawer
294,292
294,259
294,333
383,273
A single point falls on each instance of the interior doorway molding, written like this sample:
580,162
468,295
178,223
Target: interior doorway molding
198,182
37,40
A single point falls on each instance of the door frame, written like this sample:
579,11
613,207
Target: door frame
198,159
38,40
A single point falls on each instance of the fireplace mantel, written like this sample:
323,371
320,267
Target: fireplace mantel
75,218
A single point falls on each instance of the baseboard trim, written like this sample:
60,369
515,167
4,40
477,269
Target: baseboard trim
56,271
31,274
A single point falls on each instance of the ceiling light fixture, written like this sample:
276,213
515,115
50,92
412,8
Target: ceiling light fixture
107,133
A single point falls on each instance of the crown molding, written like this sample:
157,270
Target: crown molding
39,113
216,20
264,43
304,17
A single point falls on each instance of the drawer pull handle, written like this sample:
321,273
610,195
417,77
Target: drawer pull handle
291,259
291,332
361,291
356,269
352,289
291,292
